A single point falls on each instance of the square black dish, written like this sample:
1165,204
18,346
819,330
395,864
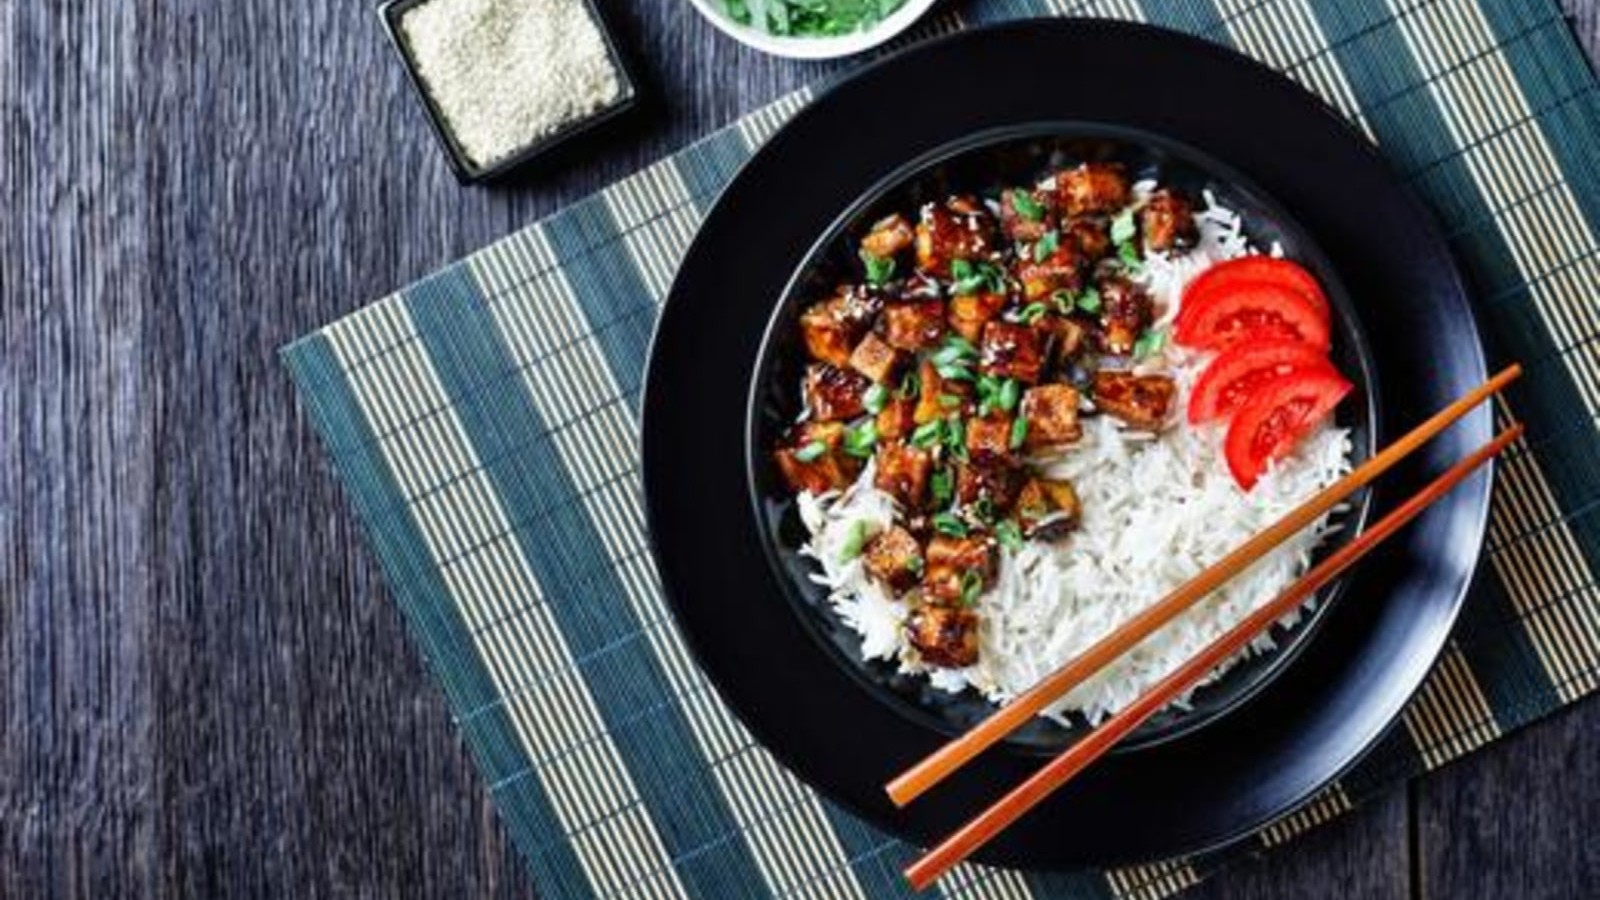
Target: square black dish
466,171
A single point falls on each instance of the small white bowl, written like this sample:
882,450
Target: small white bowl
814,47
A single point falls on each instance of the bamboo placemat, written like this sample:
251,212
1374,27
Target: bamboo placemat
483,422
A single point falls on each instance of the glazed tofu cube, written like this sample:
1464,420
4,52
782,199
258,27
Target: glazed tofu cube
1142,401
1092,189
888,237
970,312
894,559
913,324
832,327
898,419
1168,222
1048,508
903,473
960,228
950,559
989,438
1062,270
944,636
874,358
939,397
1025,215
1052,414
1010,350
1125,312
994,483
812,459
1092,238
832,393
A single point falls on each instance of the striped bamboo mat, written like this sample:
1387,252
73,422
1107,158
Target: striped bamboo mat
483,423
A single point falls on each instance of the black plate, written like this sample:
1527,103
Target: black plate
985,164
1371,651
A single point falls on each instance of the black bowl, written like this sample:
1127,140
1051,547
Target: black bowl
984,164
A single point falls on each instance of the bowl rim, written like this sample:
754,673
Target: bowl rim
816,48
756,454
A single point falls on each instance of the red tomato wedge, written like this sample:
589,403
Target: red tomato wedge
1276,417
1233,272
1242,369
1252,310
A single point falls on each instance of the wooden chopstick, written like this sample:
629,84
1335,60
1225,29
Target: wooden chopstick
939,765
1074,759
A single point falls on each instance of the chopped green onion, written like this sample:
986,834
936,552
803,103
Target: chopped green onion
942,486
1027,207
1033,312
1089,301
910,385
1046,246
875,398
811,452
927,434
1129,256
1123,228
859,440
957,342
1009,535
914,565
948,356
971,587
953,373
879,268
984,509
949,401
1019,432
1010,394
1149,343
1064,302
854,542
955,438
960,268
948,523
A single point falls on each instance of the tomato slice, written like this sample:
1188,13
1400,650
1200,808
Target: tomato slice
1254,310
1277,417
1281,272
1242,369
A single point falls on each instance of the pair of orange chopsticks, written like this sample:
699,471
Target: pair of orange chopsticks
947,759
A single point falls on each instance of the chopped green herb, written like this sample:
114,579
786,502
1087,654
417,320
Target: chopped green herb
1089,301
910,385
1129,256
915,565
1033,312
953,372
949,401
948,356
1123,228
875,398
1027,207
1064,302
1009,535
811,452
854,541
811,18
957,342
859,440
948,523
1046,246
942,486
927,434
969,278
984,509
955,438
1010,394
1019,432
971,587
1149,343
879,268
960,268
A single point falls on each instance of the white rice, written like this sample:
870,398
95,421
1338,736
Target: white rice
1156,511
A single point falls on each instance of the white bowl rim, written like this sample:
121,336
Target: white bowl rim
815,47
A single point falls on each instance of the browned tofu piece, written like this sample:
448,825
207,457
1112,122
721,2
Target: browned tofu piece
1035,216
1060,271
903,473
1064,338
994,481
1052,414
812,458
1125,312
933,399
945,636
888,237
1011,350
989,438
913,324
1091,236
898,418
1142,401
1092,189
894,559
970,312
1048,508
833,393
1168,222
960,228
949,559
832,327
874,358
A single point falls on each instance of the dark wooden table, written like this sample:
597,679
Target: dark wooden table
204,690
